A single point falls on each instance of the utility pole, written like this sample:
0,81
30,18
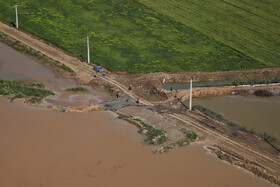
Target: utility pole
16,16
190,95
88,49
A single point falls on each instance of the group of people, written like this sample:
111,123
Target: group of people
137,100
129,88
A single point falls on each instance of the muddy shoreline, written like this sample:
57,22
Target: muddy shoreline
233,158
45,148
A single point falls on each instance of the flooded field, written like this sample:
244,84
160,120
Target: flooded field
258,113
44,148
16,66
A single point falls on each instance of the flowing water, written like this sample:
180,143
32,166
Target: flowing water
45,148
259,113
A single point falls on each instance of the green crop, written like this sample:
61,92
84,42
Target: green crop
126,35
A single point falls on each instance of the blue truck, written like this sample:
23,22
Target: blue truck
98,68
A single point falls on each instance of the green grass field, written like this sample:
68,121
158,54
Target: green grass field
249,26
128,36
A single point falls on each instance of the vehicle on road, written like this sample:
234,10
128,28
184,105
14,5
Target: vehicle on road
98,68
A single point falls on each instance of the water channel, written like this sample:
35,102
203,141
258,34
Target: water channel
258,113
261,114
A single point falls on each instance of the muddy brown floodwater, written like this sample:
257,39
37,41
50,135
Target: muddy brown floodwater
258,113
46,148
16,66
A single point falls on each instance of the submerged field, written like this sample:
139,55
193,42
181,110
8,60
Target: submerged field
129,36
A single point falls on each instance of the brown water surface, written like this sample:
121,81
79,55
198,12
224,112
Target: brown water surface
259,113
16,66
45,148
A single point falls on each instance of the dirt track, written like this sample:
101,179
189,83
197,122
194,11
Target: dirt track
53,53
83,70
269,163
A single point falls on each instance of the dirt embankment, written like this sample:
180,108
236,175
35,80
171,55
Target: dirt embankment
75,108
183,77
44,60
237,160
150,86
225,90
82,70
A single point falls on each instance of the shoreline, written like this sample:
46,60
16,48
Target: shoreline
229,157
204,149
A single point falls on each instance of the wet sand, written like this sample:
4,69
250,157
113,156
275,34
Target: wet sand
44,148
79,99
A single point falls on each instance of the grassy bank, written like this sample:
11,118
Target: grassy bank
153,135
255,81
189,137
77,89
220,118
33,91
251,27
126,36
